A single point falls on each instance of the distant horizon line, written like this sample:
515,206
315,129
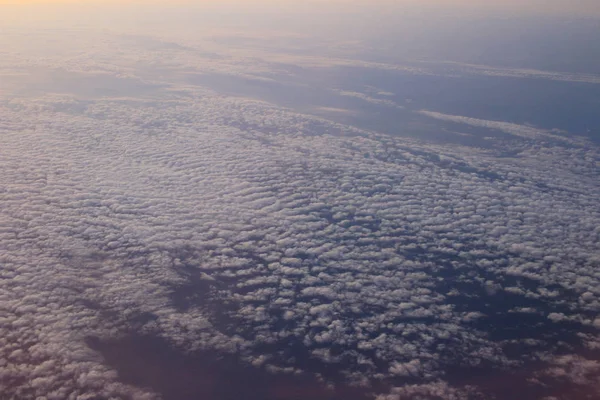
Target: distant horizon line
590,8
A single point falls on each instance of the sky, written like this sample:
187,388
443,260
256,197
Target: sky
563,7
353,19
350,19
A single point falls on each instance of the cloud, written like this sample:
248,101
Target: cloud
295,244
524,131
520,73
370,99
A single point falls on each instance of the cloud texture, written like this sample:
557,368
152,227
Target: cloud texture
302,246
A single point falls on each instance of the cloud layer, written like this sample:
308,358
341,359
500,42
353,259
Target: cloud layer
298,245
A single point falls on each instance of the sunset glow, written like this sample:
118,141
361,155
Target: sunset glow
541,6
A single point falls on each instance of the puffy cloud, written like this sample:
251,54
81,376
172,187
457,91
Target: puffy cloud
225,224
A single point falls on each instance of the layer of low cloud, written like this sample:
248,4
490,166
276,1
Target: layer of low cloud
223,223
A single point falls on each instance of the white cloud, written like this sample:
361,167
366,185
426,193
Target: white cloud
234,225
524,131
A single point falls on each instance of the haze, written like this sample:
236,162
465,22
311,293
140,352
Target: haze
562,7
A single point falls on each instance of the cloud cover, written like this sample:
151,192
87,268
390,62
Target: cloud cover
302,246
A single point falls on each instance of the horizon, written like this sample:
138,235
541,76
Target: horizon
556,7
